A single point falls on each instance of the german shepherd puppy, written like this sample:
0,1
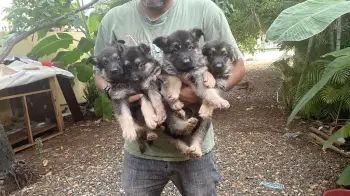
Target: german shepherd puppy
220,59
127,81
183,57
145,70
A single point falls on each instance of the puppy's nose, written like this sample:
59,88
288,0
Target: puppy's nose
219,65
114,71
187,61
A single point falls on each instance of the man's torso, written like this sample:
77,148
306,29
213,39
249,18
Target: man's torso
127,23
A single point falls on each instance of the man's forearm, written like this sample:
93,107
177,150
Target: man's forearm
238,72
101,82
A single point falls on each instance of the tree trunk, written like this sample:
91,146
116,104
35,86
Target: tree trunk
7,158
339,29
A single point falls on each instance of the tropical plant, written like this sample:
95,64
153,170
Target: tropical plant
329,77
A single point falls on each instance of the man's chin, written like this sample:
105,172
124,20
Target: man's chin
154,4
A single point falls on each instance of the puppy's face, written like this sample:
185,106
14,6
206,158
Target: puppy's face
181,48
110,61
219,56
139,62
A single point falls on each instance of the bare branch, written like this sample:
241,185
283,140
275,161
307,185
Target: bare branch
24,35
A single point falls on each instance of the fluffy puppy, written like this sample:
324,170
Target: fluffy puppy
183,57
125,82
220,60
145,70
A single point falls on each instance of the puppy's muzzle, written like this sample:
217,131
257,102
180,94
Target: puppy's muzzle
186,61
115,71
219,65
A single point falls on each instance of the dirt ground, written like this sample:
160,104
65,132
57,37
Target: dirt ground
250,148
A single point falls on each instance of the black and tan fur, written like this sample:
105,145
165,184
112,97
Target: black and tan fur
135,120
183,57
220,61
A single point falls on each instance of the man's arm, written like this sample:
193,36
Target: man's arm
238,72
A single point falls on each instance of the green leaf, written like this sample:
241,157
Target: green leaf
78,22
42,33
338,53
338,64
329,94
51,44
344,178
103,107
94,21
84,72
68,57
344,132
85,45
306,19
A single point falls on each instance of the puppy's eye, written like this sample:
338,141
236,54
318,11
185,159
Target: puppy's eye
224,53
174,50
105,61
141,66
190,47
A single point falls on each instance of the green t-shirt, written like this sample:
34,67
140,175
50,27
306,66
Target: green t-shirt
127,22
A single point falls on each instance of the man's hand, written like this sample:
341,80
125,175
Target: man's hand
101,83
187,95
134,98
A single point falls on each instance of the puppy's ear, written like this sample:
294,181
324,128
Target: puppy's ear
230,51
196,33
145,48
91,60
206,50
160,42
120,47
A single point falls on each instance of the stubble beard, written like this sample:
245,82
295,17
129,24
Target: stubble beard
154,4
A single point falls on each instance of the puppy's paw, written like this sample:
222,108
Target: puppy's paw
151,121
151,136
177,105
192,123
195,152
205,112
172,97
209,80
220,103
161,115
130,134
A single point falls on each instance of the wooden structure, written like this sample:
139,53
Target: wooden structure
71,100
38,102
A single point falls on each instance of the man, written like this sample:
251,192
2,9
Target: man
141,21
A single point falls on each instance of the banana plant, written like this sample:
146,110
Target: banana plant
301,22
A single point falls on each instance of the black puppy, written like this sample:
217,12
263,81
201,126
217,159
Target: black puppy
183,57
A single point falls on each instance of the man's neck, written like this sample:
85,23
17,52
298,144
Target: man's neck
154,14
